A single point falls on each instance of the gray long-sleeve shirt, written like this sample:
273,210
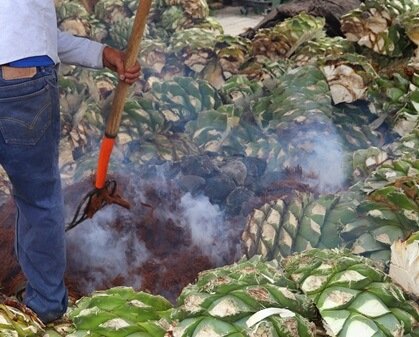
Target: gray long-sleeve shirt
29,28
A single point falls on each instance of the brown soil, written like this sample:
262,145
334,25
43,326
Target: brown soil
174,261
11,277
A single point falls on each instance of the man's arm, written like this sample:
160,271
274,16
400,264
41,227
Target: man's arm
84,52
79,51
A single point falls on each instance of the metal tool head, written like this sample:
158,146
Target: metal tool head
96,200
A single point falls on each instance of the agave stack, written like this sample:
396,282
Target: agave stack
282,40
375,25
120,312
250,298
353,296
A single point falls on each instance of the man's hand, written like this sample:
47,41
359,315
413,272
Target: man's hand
114,60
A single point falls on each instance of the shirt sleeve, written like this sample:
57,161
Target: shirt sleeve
79,50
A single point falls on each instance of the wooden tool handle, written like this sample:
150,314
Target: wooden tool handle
114,119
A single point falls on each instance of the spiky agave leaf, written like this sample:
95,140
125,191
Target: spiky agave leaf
120,311
219,131
297,121
315,50
299,91
153,55
355,124
195,46
174,19
282,40
354,297
158,147
365,161
404,267
375,25
239,88
101,84
260,70
289,225
247,298
407,146
182,98
196,9
396,100
99,31
141,117
410,22
111,11
389,213
232,52
72,17
119,32
209,23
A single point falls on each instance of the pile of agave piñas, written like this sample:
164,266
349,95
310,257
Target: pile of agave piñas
339,260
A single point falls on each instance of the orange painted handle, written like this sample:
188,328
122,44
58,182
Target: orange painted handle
103,162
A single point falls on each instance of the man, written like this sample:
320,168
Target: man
30,48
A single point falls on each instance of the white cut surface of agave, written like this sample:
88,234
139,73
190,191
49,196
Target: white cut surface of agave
404,266
265,313
115,324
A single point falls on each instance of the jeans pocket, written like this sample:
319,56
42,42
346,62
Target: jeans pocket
25,118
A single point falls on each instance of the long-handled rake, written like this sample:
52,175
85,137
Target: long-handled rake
105,191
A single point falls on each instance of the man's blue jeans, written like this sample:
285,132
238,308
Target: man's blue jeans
29,141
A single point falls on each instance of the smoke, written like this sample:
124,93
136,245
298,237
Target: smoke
104,253
207,226
196,214
327,163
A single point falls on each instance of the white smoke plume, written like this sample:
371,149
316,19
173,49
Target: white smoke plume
105,252
327,163
208,228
